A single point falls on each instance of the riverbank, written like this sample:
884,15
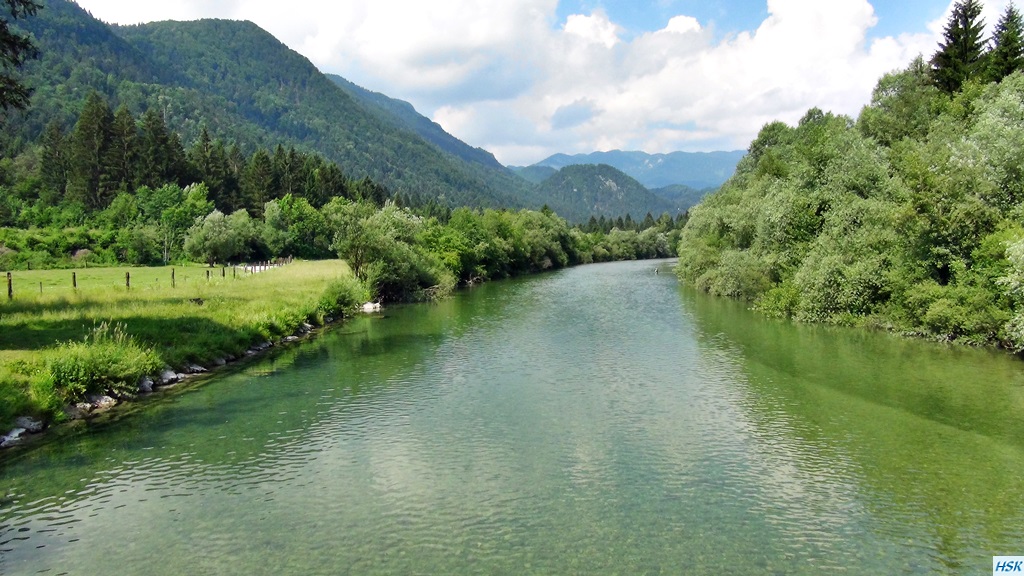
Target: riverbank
66,350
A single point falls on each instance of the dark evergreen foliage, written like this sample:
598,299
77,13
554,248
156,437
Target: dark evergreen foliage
15,49
1007,54
960,55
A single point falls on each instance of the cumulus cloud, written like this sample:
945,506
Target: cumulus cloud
510,78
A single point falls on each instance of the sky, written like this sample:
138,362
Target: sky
525,79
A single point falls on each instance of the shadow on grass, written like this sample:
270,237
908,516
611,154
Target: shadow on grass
176,340
37,329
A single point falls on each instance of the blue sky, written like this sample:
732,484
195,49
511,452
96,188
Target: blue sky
529,78
730,16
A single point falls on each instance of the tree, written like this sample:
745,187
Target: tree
900,105
54,162
1007,54
14,50
89,179
220,238
123,150
258,183
961,55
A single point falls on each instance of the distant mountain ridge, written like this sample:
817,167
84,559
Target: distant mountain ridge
578,192
245,87
404,115
698,170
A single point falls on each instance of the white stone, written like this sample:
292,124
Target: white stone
30,425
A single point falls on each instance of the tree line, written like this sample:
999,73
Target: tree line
119,189
907,217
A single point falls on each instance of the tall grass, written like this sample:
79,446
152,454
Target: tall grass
60,345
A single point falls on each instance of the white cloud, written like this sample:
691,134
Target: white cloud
506,76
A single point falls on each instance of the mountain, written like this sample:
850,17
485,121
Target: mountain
403,115
697,170
246,87
681,195
535,174
578,192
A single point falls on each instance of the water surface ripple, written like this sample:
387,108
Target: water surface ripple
598,420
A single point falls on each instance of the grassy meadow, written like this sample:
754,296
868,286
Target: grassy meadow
59,343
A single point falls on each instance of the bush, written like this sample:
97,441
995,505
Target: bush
343,295
107,361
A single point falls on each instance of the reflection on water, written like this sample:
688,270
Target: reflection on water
597,420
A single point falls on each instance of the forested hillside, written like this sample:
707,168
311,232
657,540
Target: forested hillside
580,191
244,85
698,170
908,217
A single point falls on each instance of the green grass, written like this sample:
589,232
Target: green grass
112,333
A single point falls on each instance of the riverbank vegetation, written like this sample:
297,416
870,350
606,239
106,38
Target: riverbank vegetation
121,191
908,217
61,345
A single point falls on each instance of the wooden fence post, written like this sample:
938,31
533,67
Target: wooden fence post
40,287
207,275
10,287
128,280
172,277
74,280
223,271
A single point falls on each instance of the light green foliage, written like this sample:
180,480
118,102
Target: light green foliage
292,227
219,238
902,105
910,220
108,361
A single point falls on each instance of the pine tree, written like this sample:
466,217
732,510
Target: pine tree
53,166
89,179
1007,54
14,50
961,55
258,182
123,152
155,162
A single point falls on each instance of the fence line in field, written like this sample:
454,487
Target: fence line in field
247,268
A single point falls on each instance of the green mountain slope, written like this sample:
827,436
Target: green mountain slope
682,195
535,174
246,87
694,169
403,115
581,191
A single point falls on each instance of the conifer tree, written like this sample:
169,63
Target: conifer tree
961,54
123,152
89,181
1007,54
258,182
53,166
14,50
155,159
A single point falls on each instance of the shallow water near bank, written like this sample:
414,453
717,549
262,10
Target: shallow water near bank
596,420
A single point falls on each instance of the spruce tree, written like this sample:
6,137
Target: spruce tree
123,152
258,182
1007,54
961,54
89,179
14,50
53,165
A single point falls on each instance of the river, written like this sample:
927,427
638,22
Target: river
596,420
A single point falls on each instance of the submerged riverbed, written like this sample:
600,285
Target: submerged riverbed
596,420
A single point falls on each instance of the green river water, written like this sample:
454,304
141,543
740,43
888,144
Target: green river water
597,420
